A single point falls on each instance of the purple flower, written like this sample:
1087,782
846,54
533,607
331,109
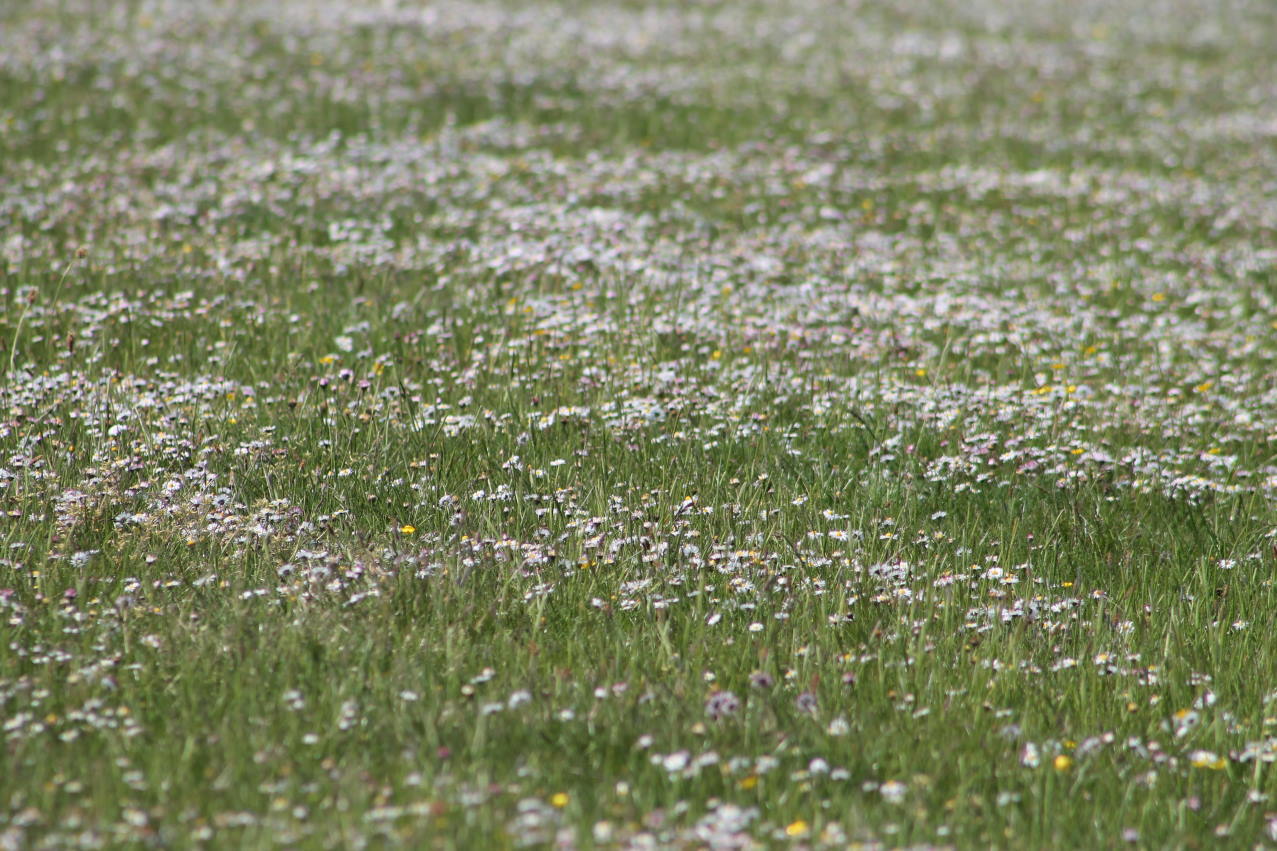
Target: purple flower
720,704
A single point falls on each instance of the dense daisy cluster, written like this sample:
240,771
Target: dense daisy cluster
637,425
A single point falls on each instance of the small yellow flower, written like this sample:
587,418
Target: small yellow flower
1063,762
797,828
748,782
559,799
407,528
1206,759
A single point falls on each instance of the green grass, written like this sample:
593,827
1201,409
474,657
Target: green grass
727,425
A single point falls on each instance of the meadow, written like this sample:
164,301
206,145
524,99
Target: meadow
494,424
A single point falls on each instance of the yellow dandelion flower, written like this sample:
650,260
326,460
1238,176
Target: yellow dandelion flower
797,828
407,528
1063,762
559,799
